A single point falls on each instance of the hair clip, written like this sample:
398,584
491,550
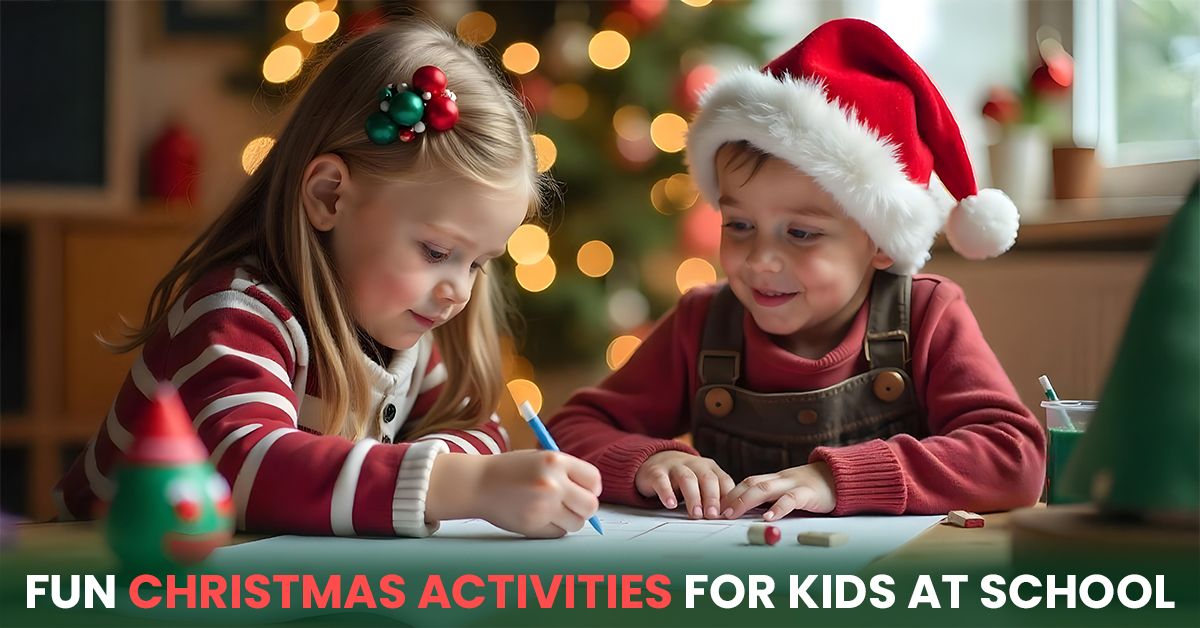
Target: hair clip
406,111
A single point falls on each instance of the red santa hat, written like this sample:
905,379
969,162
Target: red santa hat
166,435
852,110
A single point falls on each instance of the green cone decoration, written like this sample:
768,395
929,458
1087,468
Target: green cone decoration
1141,453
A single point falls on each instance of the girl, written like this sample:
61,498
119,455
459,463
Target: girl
824,377
334,333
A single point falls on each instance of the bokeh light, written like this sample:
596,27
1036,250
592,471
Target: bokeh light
620,350
476,27
323,28
327,5
694,272
681,190
546,151
669,132
528,244
658,197
697,3
282,64
595,258
538,276
255,152
609,50
568,101
631,122
523,390
521,58
628,308
302,16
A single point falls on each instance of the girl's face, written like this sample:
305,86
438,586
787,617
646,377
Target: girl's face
793,258
408,254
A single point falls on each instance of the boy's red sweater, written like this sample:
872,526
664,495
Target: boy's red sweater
986,451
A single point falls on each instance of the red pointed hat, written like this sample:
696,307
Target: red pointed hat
852,110
165,434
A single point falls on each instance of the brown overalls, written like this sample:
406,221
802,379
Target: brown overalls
749,433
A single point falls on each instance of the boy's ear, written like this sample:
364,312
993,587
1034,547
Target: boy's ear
881,260
326,181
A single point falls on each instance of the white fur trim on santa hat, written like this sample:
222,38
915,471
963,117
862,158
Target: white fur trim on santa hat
984,225
793,120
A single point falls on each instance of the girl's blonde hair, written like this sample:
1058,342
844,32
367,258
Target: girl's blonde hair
490,145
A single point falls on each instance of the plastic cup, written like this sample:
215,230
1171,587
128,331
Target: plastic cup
1060,440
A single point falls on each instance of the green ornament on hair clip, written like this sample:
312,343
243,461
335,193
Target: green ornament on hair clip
403,112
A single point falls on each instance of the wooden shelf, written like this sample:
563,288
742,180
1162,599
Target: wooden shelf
83,273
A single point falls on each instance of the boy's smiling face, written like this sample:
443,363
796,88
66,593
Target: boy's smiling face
798,264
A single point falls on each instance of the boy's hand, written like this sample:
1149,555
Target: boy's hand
807,487
701,482
542,494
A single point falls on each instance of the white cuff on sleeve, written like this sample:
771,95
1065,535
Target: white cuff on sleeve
408,503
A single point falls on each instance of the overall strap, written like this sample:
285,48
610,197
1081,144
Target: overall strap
721,344
887,341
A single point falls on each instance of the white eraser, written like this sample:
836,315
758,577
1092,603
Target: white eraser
1045,382
527,411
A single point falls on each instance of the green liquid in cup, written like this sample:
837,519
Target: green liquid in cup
1058,451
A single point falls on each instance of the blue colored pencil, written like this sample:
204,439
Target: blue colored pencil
548,443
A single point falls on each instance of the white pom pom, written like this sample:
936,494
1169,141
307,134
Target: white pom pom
983,226
384,106
426,96
419,127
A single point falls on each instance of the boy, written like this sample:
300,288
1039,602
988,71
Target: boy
824,376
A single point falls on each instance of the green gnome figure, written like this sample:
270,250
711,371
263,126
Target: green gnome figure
171,508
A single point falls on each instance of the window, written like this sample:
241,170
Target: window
1137,96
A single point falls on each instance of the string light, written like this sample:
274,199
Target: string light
282,64
546,151
476,27
528,244
568,101
523,390
620,350
595,258
609,50
538,276
694,272
302,16
322,28
521,58
255,152
669,132
632,122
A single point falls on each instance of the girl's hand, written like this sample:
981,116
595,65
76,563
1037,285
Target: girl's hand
808,487
701,482
541,494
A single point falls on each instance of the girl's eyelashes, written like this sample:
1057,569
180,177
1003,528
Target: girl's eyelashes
476,266
737,225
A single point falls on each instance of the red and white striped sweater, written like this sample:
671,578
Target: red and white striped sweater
240,360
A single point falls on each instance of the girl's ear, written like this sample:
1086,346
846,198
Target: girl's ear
326,182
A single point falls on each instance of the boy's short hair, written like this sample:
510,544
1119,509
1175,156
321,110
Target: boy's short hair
746,154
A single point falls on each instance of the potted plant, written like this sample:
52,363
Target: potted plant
1030,118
